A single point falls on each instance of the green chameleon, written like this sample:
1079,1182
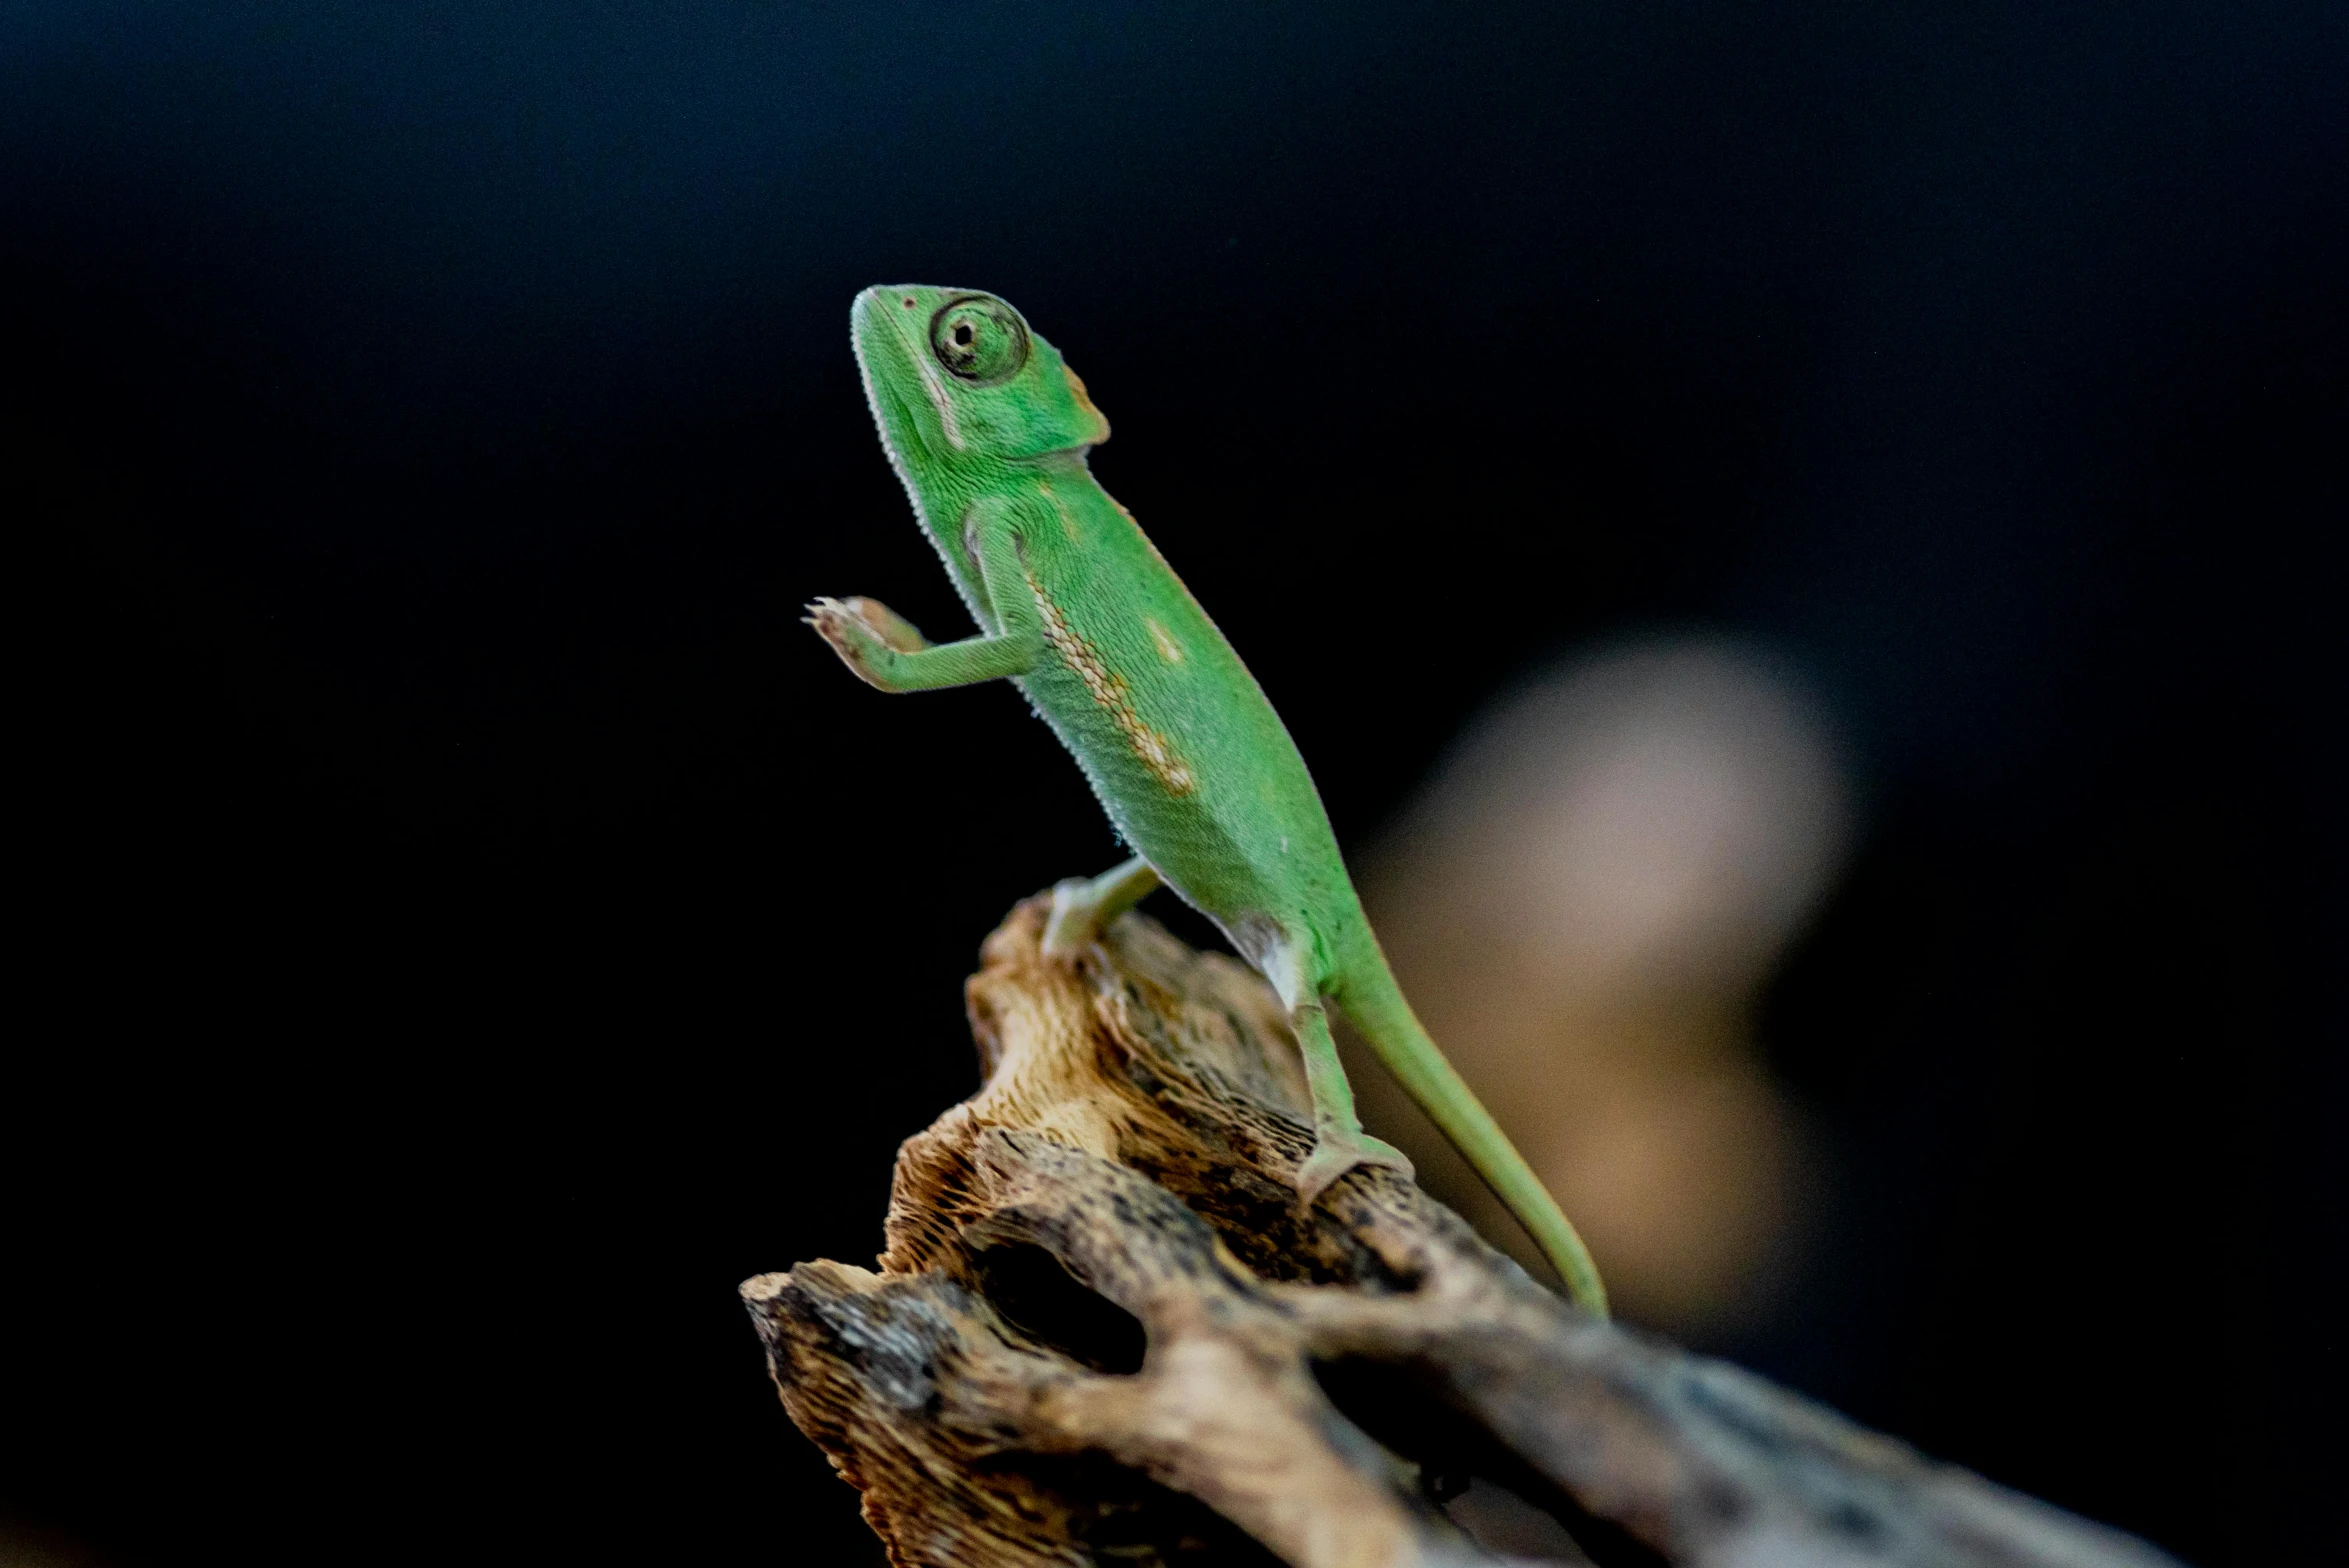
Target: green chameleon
988,429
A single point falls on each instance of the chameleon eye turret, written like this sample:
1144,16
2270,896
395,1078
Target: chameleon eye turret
979,339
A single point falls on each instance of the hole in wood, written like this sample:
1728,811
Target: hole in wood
1489,1492
1035,1295
1123,1519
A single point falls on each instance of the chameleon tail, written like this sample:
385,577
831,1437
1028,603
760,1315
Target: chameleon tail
1367,993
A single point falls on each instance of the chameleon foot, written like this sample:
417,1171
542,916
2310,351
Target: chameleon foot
867,635
1335,1154
1081,906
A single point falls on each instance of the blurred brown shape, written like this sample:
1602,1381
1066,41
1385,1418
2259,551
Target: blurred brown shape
1581,907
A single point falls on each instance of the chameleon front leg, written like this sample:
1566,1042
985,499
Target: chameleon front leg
885,649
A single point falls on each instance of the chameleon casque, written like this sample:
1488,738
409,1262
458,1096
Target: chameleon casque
988,428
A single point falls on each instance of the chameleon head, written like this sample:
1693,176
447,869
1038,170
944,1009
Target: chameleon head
954,373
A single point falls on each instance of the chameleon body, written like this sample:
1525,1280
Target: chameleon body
989,430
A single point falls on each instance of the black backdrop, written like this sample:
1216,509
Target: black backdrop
457,897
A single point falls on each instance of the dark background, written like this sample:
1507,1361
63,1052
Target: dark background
467,925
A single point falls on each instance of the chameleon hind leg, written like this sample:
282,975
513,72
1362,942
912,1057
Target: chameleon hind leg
1339,1143
1083,905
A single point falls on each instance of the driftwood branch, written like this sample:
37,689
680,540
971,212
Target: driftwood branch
1103,1333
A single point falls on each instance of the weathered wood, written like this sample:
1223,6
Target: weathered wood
1103,1333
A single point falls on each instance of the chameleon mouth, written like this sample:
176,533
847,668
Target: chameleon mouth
900,430
891,349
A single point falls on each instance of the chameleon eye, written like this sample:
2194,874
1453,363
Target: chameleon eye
979,338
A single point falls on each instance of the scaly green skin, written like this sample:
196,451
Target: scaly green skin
988,428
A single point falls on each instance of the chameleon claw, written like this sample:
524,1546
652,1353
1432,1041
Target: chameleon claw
860,645
892,630
825,615
1334,1155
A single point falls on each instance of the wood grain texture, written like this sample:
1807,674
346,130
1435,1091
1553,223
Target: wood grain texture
1101,1333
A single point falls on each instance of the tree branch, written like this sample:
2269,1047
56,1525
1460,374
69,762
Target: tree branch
1103,1333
